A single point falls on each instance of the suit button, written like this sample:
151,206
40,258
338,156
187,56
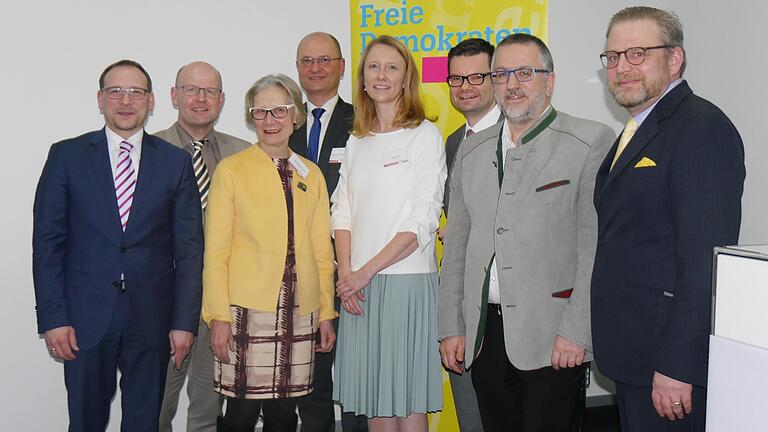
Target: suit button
116,284
500,230
123,250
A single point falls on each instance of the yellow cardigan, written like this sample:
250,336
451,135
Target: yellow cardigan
246,238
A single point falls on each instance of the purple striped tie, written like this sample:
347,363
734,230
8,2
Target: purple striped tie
125,182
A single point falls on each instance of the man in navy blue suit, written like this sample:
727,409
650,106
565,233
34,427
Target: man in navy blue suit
117,257
668,192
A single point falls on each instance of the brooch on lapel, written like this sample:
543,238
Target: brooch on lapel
302,186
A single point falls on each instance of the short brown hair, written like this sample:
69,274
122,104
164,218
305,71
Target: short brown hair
128,63
668,22
282,82
410,111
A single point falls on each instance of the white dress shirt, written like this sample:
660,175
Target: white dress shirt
489,119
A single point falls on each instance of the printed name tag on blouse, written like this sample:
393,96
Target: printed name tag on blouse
299,165
337,155
395,157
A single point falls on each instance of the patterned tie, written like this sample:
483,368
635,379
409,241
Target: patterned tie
125,182
201,172
629,131
314,134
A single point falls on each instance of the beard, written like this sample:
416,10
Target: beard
649,89
522,114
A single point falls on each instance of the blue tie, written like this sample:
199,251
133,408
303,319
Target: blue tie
314,134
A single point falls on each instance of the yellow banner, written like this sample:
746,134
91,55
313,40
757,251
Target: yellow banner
429,28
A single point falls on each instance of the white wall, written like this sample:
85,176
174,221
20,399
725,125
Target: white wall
53,53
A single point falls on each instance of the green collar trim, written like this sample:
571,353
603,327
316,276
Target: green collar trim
540,127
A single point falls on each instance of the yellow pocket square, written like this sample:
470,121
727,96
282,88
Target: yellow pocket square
645,162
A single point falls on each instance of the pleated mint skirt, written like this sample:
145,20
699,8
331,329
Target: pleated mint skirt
388,360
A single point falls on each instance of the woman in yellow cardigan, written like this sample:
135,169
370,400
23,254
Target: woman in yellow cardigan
268,274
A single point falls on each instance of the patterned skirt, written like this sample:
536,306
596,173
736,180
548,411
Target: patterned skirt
268,363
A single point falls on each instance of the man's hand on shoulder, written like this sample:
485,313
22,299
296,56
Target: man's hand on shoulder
566,354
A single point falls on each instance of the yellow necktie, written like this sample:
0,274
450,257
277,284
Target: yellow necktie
629,130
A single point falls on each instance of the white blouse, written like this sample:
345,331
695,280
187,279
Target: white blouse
392,182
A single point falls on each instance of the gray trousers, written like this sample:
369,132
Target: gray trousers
465,400
204,403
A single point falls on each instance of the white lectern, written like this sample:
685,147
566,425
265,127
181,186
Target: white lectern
738,348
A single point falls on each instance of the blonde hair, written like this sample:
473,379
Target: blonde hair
410,111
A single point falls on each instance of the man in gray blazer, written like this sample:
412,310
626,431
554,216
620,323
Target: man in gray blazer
469,64
519,249
198,97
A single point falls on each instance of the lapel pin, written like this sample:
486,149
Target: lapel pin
494,164
302,186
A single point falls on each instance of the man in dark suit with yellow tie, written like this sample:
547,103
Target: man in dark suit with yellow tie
323,139
667,193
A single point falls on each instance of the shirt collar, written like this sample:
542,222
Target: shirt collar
186,138
114,140
489,119
640,118
328,106
506,139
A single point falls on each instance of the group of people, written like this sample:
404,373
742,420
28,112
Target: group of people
192,254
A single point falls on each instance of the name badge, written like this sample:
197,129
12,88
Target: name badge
337,155
298,165
395,157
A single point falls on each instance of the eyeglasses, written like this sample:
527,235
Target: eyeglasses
634,56
209,92
322,60
279,111
522,74
134,93
473,79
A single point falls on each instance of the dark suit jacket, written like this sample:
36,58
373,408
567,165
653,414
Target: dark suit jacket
336,135
657,226
80,249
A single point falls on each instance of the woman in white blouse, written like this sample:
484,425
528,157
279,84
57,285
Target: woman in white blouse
385,214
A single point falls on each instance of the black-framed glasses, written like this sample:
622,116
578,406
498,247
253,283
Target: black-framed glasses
322,60
473,79
134,93
209,92
279,111
634,55
522,74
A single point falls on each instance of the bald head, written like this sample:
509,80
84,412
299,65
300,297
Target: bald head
319,81
198,97
198,68
321,38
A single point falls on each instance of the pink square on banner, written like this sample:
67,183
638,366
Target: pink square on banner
434,69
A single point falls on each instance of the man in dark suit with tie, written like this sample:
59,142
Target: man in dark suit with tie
198,96
667,192
323,139
469,64
117,257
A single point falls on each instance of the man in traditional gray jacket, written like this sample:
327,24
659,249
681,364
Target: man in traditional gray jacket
519,249
198,97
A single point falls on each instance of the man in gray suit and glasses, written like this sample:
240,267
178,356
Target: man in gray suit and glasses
519,249
198,96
